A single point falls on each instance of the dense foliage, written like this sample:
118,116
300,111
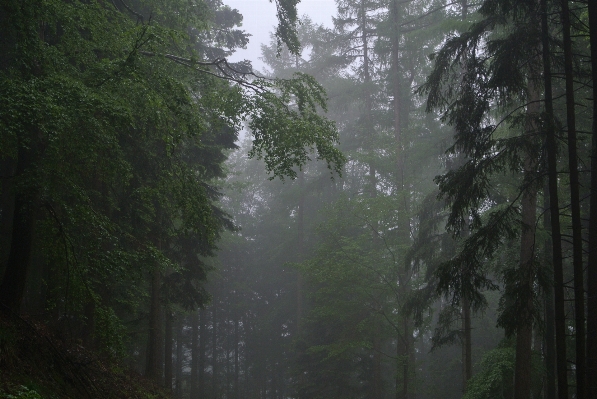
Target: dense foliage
116,119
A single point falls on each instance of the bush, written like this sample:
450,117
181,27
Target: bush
24,393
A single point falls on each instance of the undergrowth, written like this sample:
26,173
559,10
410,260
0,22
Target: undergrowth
36,364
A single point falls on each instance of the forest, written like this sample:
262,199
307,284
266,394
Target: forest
401,205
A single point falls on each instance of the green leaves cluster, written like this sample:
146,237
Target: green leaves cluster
288,126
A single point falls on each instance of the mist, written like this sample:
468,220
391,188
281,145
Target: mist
247,199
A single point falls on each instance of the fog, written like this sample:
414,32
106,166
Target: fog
259,19
399,201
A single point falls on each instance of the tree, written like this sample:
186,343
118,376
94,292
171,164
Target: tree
490,78
592,244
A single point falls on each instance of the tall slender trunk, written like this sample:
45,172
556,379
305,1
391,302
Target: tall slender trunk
12,289
464,9
194,354
168,351
406,350
467,362
549,332
274,381
556,237
377,387
368,122
7,208
592,260
236,357
300,249
153,366
179,327
227,352
214,343
202,344
403,355
524,331
577,261
396,94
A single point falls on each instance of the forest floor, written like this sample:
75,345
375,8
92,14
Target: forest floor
37,364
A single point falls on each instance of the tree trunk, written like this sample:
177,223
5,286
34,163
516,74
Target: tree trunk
377,381
7,208
300,248
12,289
579,291
592,260
168,352
236,358
556,238
524,331
153,366
214,364
467,362
406,351
367,122
403,355
202,343
549,332
179,351
396,94
227,352
194,354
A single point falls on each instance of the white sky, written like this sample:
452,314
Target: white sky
260,20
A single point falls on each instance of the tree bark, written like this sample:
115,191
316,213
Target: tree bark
7,208
202,343
300,255
467,362
556,237
377,381
402,354
524,331
153,367
367,122
236,358
214,364
549,332
168,352
592,260
396,94
577,254
12,289
406,350
179,351
227,351
194,354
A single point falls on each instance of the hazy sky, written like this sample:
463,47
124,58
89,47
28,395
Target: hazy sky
260,20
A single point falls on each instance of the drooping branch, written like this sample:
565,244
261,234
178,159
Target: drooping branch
227,71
